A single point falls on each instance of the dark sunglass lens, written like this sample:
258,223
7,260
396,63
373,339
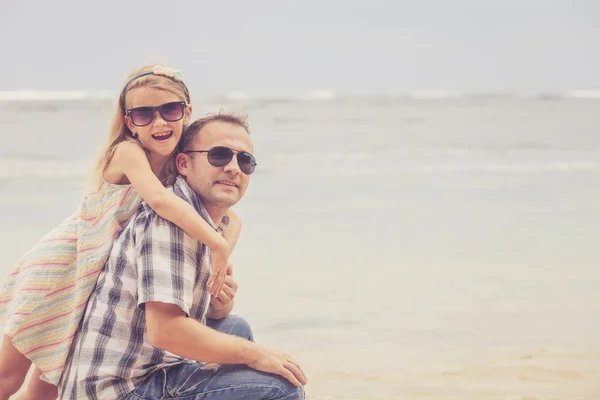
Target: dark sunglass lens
247,162
219,156
141,116
172,112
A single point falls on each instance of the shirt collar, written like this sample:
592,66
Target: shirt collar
183,190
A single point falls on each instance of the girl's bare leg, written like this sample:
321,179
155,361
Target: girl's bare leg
36,389
13,368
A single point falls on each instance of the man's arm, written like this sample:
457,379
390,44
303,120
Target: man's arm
167,263
169,329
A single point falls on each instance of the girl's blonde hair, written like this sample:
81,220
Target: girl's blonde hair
119,132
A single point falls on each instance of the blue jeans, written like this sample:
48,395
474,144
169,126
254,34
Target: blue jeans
229,382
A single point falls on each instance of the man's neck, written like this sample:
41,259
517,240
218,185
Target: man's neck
215,213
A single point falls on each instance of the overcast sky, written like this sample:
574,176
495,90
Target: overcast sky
280,45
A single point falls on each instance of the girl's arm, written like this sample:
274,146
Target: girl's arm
231,233
222,304
131,160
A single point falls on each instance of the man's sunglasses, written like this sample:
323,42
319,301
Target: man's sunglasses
220,156
170,112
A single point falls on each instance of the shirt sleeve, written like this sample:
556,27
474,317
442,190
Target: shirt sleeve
167,262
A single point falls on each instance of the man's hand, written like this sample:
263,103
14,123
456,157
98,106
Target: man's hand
226,295
280,363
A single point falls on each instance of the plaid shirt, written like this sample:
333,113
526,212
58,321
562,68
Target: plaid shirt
151,260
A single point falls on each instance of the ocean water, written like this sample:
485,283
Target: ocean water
400,247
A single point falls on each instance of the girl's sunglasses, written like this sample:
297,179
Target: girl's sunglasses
170,112
220,156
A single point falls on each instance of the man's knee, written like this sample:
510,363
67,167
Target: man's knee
233,325
269,386
294,393
240,327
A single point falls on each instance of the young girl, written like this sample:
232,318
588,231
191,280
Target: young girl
44,297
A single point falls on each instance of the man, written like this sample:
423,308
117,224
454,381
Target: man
145,333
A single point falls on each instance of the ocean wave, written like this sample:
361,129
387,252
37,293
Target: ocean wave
237,96
54,95
324,95
483,95
351,163
583,94
542,167
27,168
435,94
262,99
476,168
26,95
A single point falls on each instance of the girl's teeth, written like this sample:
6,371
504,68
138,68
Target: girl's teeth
162,135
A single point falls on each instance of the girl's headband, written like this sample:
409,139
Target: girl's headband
158,70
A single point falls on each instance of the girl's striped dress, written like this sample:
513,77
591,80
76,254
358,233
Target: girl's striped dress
44,297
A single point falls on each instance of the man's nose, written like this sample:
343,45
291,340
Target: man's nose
233,166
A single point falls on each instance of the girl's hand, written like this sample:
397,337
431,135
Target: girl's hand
218,266
225,296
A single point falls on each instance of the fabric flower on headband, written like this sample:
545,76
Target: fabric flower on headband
174,74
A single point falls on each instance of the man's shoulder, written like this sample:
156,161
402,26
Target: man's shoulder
146,223
145,213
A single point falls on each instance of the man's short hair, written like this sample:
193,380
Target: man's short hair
190,134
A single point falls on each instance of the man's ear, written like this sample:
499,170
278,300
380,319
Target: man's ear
182,161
